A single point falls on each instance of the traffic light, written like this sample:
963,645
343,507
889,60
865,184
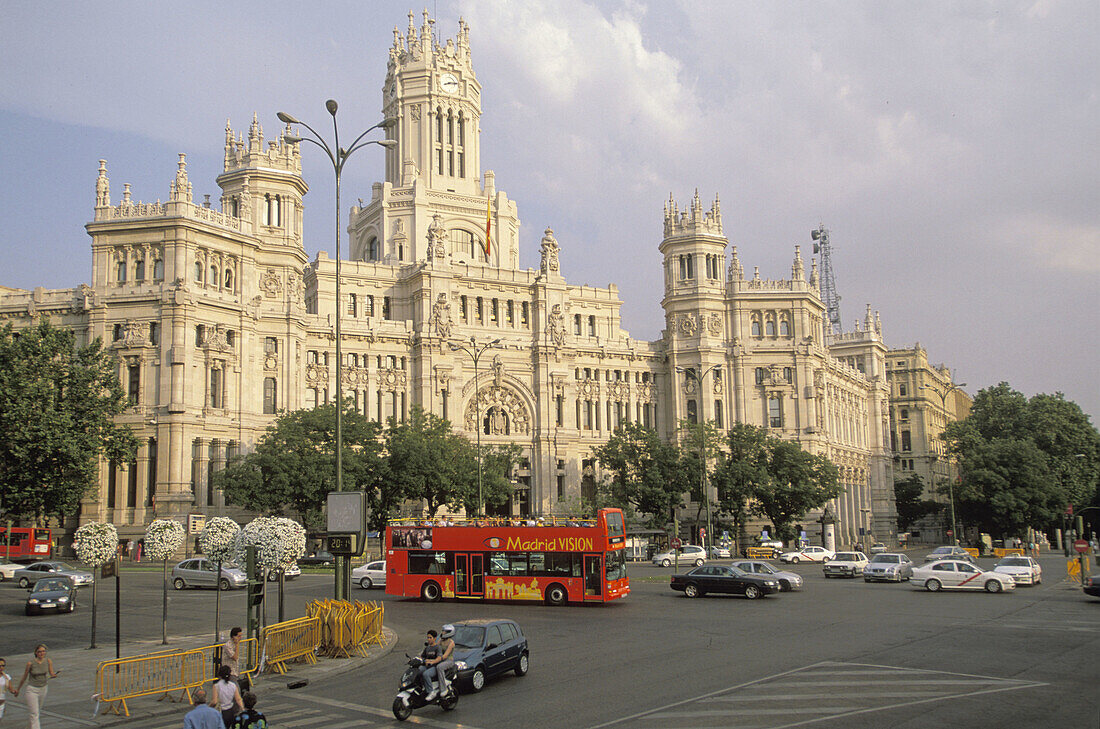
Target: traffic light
255,580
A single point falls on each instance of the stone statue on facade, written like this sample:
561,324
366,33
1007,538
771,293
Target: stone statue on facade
441,316
556,327
549,251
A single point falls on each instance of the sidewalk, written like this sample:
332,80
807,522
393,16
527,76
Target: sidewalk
69,701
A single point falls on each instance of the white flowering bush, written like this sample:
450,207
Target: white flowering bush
96,543
278,541
163,538
218,538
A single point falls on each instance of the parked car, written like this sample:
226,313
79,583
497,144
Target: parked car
687,553
489,648
719,578
1092,585
878,548
1024,570
372,574
290,572
788,581
845,564
717,552
949,553
888,566
52,595
956,574
807,554
201,572
8,568
32,573
317,559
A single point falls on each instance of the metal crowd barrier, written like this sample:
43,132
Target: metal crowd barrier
347,627
290,640
999,552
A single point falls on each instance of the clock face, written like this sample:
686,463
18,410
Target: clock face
448,83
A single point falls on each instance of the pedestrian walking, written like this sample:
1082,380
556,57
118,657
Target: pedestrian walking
231,652
203,716
226,697
251,717
37,674
5,685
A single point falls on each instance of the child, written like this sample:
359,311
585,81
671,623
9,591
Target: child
5,685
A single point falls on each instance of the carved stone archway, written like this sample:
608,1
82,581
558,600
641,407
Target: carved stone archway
503,409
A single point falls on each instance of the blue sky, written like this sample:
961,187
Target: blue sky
951,148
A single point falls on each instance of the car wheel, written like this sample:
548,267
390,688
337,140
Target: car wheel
401,710
690,590
752,592
178,583
523,666
24,582
366,583
271,577
223,584
933,585
785,585
993,586
477,679
666,563
430,592
699,563
825,559
866,579
556,595
794,560
1038,580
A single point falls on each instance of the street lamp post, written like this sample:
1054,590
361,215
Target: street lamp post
475,353
338,155
950,486
702,447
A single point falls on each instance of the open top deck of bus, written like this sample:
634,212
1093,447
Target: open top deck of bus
551,521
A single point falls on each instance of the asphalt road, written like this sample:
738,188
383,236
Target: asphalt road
840,654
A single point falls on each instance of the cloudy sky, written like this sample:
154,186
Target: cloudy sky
952,149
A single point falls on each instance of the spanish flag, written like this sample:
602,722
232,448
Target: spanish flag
488,227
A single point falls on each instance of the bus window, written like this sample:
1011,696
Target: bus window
615,565
615,524
430,563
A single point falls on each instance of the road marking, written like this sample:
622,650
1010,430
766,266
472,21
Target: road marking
386,713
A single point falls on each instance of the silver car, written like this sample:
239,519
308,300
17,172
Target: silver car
889,567
372,574
35,572
200,572
788,581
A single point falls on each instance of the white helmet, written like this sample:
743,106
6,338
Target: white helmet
448,631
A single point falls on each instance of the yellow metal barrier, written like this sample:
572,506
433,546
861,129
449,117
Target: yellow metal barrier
1015,551
347,627
162,673
291,640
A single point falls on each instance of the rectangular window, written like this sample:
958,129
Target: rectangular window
591,326
577,324
369,306
463,312
480,311
906,441
692,411
511,312
775,412
151,474
560,401
493,311
271,345
216,387
523,314
718,414
353,309
134,372
270,396
903,390
387,310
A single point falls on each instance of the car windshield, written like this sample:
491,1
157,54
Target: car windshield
62,566
887,558
765,568
50,585
737,572
469,636
848,556
1015,562
942,550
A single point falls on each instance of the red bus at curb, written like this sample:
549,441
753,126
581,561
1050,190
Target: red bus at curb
553,560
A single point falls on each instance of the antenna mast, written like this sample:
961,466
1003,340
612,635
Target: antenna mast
828,282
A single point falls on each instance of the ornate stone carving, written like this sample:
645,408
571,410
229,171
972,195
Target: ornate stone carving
414,112
647,392
216,337
392,379
556,327
271,361
437,239
134,334
441,316
506,412
549,250
714,324
354,377
271,284
497,368
619,391
589,389
688,325
316,374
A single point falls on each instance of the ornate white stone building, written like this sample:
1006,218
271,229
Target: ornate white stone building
219,319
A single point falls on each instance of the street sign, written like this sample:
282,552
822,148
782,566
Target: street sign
196,523
675,543
1081,546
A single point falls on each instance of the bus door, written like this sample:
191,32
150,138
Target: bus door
469,575
593,577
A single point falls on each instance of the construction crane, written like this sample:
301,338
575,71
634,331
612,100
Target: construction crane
828,282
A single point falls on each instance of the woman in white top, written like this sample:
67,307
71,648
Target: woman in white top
5,685
226,696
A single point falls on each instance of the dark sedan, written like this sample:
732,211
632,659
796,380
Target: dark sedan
724,579
317,559
489,648
52,595
1092,585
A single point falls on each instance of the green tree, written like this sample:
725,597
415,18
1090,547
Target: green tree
911,507
294,465
498,462
647,473
742,468
797,482
430,462
57,408
1008,485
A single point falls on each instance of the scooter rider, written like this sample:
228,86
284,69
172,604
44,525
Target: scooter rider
437,667
430,654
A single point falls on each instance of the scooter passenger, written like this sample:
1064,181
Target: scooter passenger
438,666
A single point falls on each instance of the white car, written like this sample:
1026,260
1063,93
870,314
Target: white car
7,569
807,554
1023,570
687,553
372,574
845,564
291,572
717,552
955,574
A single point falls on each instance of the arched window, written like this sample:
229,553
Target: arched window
121,269
229,279
496,422
755,327
198,271
213,276
139,269
784,328
769,327
372,249
464,243
158,269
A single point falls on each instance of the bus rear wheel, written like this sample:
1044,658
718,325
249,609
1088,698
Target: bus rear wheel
430,592
556,595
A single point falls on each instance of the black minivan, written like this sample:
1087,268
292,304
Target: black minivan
489,648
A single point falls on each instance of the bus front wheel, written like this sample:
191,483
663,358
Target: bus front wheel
556,595
430,592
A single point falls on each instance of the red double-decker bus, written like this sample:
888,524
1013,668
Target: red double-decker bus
25,543
556,560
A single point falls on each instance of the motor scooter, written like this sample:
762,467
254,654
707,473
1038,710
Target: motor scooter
413,695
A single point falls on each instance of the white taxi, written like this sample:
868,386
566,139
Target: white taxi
807,554
955,574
